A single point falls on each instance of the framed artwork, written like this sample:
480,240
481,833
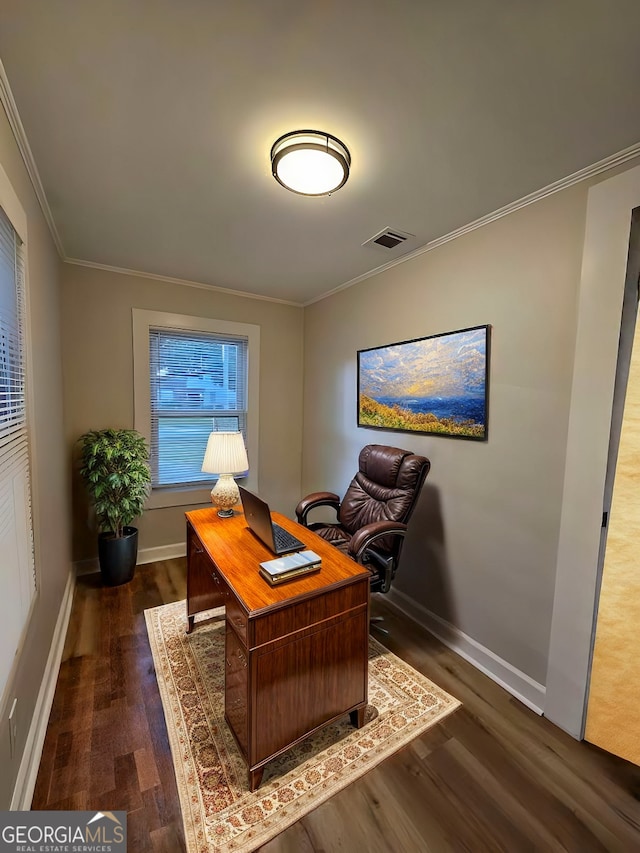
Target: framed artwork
436,385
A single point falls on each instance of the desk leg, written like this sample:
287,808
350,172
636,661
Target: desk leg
357,717
190,621
255,778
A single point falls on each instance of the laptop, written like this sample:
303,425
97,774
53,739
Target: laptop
258,516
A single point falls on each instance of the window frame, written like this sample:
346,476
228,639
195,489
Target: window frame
17,216
142,321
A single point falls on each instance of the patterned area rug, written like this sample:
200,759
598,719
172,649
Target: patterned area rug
219,812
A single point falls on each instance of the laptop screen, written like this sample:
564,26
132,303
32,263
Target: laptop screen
258,516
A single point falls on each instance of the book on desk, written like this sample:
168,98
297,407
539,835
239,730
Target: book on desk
290,566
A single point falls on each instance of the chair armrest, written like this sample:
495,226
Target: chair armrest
313,500
368,534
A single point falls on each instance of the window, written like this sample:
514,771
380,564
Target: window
190,372
16,532
195,377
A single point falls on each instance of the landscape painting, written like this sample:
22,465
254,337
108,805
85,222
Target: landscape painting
435,385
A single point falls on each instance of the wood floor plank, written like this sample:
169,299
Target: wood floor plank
147,770
295,840
492,807
517,774
372,810
493,776
166,839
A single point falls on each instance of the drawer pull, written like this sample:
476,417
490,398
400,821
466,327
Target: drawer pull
241,657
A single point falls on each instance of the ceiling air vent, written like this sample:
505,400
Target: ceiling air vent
388,238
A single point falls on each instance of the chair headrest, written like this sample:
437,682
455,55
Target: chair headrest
384,465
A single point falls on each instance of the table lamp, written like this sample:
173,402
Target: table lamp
225,455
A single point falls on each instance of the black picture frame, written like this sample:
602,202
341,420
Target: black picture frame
436,385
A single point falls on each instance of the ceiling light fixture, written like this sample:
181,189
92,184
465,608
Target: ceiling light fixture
310,162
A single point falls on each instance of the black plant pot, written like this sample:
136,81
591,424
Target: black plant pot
118,556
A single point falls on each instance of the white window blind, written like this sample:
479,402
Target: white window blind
198,383
17,566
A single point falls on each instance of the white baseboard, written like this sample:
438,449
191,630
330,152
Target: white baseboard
28,771
145,555
520,685
162,552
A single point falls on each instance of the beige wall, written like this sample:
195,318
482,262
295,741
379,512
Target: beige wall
482,552
51,504
98,380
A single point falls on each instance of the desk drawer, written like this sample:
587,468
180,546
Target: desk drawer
202,592
303,684
237,618
287,620
219,585
236,685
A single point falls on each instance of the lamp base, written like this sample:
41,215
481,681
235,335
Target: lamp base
225,495
225,513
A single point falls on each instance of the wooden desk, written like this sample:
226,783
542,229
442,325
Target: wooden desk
296,654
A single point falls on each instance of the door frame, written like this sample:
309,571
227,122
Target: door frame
610,209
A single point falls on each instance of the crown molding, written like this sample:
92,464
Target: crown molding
588,172
9,104
185,282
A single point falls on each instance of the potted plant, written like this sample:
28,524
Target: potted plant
115,468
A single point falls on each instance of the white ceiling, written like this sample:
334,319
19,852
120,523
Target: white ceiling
151,122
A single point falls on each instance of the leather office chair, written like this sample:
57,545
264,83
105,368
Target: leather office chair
373,515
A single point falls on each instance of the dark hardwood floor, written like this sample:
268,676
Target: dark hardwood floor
493,776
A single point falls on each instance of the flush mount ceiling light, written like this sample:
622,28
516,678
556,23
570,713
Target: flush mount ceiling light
310,162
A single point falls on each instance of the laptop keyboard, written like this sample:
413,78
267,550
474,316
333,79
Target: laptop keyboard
284,539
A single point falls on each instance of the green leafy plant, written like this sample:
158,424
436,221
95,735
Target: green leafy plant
114,465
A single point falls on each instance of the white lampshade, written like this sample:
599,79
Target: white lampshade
225,454
310,162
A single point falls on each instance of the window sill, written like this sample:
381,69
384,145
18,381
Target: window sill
188,496
177,497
